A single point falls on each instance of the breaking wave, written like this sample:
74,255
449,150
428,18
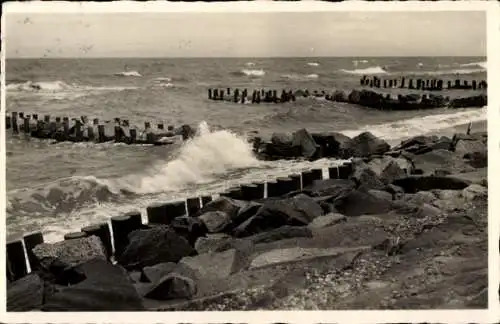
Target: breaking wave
368,70
250,72
56,86
300,77
128,74
481,64
313,64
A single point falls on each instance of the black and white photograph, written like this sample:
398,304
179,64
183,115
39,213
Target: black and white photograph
246,160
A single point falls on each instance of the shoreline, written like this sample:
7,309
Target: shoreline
220,241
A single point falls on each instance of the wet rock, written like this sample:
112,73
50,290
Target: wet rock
331,143
106,288
463,147
223,204
216,221
69,253
431,162
296,211
392,172
308,146
415,183
25,294
330,187
148,247
366,144
172,286
327,220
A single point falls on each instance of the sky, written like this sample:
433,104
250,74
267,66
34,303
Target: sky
257,34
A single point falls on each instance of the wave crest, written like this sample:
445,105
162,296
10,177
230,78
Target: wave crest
313,64
250,73
128,74
365,71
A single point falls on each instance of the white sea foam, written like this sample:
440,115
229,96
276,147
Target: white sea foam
313,64
256,73
128,74
365,71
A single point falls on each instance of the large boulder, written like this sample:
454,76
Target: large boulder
148,247
282,139
155,273
172,286
223,204
327,220
364,145
440,161
331,143
216,221
360,202
281,233
329,187
25,294
366,178
298,210
212,266
415,183
106,288
69,253
308,146
463,147
211,242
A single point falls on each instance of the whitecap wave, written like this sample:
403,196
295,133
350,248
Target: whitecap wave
313,64
365,71
482,64
128,74
253,73
250,64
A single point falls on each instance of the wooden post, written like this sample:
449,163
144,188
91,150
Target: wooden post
272,189
90,133
296,181
193,205
46,119
118,134
16,259
161,126
96,121
122,226
345,170
8,123
15,128
78,131
35,116
205,200
333,172
469,128
157,213
133,135
66,127
210,94
30,241
26,125
252,192
101,135
402,85
285,185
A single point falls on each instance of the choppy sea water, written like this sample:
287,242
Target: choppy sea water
61,187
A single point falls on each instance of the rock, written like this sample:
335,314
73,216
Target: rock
223,204
384,195
415,183
392,172
463,147
298,210
474,192
340,96
331,143
212,265
396,191
282,139
366,178
245,212
172,286
427,210
472,101
281,233
421,197
106,288
216,221
210,242
302,138
155,273
477,159
148,247
296,254
326,220
366,144
70,253
359,202
191,228
440,160
422,144
329,187
25,294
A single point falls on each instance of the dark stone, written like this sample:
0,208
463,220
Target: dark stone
366,178
440,160
296,211
358,202
308,146
172,286
281,233
415,183
106,288
216,221
329,187
155,273
148,247
223,204
282,139
331,143
392,172
364,145
25,294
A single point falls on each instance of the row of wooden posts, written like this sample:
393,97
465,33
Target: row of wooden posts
421,84
80,130
115,233
258,96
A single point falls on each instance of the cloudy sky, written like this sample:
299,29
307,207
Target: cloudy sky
246,34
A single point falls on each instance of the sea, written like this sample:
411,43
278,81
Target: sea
60,187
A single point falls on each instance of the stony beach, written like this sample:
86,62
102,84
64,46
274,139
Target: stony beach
406,228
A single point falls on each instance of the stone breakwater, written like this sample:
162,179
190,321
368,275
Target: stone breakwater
83,130
361,97
395,227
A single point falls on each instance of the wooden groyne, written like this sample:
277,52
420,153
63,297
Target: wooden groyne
363,97
83,130
422,84
180,214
